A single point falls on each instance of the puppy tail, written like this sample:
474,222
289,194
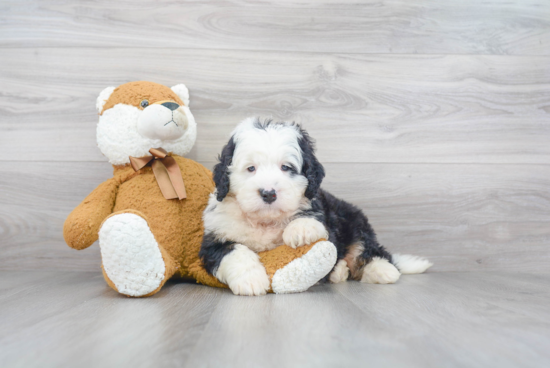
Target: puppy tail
408,264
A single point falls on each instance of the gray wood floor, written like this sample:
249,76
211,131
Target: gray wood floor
433,116
481,319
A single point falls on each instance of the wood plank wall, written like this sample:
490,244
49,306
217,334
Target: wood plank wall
431,115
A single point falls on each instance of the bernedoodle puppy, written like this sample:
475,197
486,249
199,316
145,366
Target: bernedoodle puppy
268,193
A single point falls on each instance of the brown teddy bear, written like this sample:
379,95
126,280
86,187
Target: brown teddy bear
148,217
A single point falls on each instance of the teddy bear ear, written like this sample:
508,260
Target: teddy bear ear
182,93
103,97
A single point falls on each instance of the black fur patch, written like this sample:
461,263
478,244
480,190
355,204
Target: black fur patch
221,173
312,168
212,252
263,125
347,225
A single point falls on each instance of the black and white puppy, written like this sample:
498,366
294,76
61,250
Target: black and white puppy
268,193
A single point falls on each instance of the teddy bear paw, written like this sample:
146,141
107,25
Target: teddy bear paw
304,272
130,255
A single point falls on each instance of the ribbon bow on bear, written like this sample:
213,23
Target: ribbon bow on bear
166,170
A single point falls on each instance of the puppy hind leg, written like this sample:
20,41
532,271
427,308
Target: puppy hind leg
370,263
340,273
380,271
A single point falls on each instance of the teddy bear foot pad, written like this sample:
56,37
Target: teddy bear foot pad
302,273
130,254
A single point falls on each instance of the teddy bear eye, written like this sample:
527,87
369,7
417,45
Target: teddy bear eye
144,103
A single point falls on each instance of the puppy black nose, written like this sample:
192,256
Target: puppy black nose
171,105
269,196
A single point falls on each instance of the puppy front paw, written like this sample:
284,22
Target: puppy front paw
303,231
243,272
250,282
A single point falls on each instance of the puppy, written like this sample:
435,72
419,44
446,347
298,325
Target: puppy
268,193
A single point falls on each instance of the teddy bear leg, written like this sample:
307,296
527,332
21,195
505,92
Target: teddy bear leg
296,270
133,262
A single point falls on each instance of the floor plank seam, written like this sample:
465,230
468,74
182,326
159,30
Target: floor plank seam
273,51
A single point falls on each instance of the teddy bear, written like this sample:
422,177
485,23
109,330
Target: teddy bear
148,216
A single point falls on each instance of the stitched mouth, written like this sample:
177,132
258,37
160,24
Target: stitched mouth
172,121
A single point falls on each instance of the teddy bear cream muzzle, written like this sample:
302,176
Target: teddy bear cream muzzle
164,120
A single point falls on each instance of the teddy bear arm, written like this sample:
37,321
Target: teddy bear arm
294,270
276,259
199,273
82,225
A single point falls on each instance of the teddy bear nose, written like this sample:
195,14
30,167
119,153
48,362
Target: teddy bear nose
171,105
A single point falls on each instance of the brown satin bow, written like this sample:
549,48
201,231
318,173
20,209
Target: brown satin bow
166,170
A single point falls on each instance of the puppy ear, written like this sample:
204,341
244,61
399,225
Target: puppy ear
312,168
221,170
182,92
103,97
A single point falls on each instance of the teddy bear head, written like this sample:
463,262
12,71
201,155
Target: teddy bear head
138,116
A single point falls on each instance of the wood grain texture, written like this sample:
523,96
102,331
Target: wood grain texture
53,319
360,108
463,217
91,323
35,200
470,324
398,26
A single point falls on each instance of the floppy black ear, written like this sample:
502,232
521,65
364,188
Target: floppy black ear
221,172
312,168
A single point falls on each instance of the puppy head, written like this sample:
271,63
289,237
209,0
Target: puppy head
137,116
269,168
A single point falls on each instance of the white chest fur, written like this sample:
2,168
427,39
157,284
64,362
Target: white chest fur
228,222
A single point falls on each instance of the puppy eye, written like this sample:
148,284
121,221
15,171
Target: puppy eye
286,168
144,103
251,169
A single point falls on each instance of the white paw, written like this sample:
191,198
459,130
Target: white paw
304,231
380,271
340,272
243,272
130,255
252,282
